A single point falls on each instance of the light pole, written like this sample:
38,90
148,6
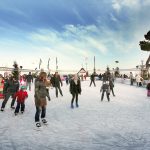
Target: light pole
56,64
142,68
94,66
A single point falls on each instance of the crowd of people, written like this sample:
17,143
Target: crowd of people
17,90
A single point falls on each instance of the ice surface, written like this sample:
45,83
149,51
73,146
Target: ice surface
121,124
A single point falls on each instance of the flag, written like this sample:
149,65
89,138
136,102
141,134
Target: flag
40,63
48,64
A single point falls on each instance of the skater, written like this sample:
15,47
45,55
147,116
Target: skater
148,89
111,85
21,95
105,89
1,86
131,78
57,82
75,89
92,79
40,99
67,80
11,86
29,79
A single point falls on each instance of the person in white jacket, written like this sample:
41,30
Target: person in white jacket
138,80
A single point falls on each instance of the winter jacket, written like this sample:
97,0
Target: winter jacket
29,78
21,96
57,81
105,87
10,86
92,77
40,93
75,88
138,78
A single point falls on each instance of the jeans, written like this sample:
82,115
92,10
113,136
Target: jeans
40,111
18,107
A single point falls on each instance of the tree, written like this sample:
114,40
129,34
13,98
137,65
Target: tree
15,71
145,45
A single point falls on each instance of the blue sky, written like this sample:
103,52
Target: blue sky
74,31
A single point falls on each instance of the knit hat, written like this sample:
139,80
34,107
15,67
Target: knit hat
23,87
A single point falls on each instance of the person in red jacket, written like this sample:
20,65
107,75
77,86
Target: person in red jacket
21,95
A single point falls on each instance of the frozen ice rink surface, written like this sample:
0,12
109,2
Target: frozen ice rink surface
121,124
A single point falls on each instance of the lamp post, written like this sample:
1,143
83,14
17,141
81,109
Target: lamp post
94,66
56,64
142,68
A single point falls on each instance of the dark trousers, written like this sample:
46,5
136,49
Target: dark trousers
131,81
7,96
47,89
107,95
60,91
112,91
74,95
40,111
92,81
18,107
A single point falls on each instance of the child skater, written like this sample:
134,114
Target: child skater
105,89
75,89
21,95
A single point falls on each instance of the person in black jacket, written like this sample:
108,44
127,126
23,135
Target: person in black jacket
75,89
57,82
92,79
148,89
29,79
111,84
11,86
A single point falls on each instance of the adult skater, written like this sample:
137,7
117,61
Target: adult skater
111,84
11,86
75,89
57,82
40,99
29,79
131,78
105,89
92,79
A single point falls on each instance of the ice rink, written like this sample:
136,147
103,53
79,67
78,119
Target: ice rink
121,124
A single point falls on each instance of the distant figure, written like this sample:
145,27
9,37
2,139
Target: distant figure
52,80
21,95
75,89
139,80
57,82
111,84
92,79
148,89
131,78
29,79
67,80
105,89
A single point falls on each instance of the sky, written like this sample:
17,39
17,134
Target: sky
74,31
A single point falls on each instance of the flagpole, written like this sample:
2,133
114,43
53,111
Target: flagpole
56,64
